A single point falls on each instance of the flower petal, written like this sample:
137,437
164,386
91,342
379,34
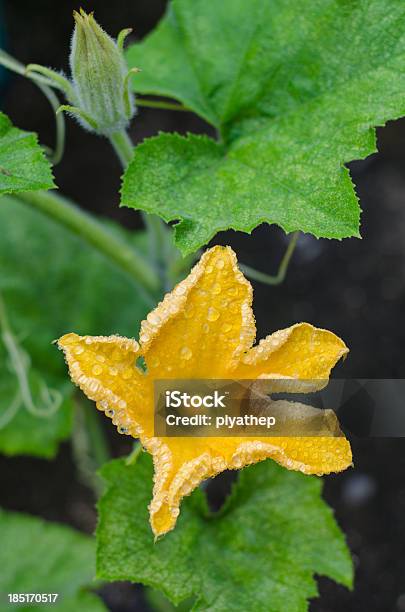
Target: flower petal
315,455
302,352
182,464
105,370
202,327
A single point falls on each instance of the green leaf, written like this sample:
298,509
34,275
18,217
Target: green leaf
39,557
294,88
23,166
259,553
52,283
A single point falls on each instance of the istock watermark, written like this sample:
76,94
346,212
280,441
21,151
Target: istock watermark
280,407
176,399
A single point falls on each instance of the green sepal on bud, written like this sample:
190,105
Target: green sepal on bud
99,91
102,99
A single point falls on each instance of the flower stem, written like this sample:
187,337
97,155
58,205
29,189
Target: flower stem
156,228
162,105
68,214
278,278
123,147
134,454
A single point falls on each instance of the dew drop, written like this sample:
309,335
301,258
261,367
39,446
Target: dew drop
122,429
216,289
232,291
122,404
209,269
220,264
213,314
88,340
226,328
100,358
78,350
110,412
144,337
153,318
180,290
97,369
116,355
113,371
186,353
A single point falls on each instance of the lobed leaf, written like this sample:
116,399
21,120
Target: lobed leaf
39,557
23,165
273,534
294,88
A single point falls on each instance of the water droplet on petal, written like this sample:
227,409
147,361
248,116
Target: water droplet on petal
213,314
180,290
226,328
97,369
100,358
153,318
220,264
144,337
232,291
113,371
216,289
186,353
78,350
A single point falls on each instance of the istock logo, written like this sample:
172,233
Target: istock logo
175,399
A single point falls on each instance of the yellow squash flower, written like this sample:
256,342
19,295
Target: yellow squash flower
204,329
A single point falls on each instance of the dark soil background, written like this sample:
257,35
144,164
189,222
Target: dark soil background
354,287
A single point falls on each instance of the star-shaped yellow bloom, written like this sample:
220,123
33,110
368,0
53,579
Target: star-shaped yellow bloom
204,329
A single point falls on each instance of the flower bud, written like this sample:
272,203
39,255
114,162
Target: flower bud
102,100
